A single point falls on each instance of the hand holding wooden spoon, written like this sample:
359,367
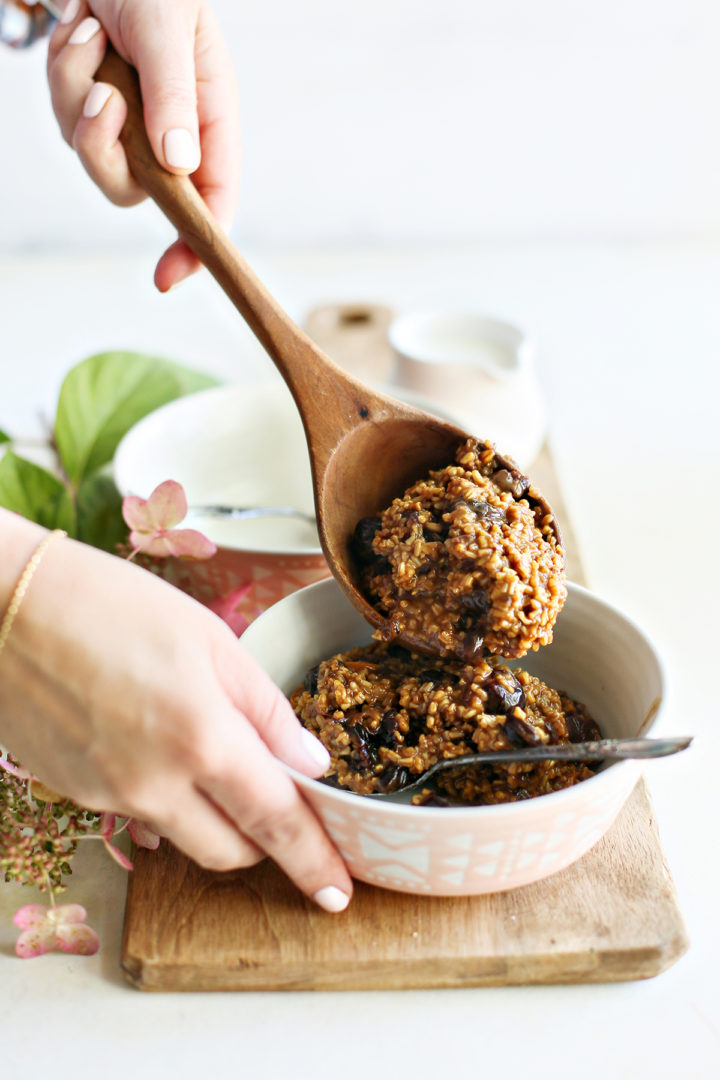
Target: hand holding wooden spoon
365,448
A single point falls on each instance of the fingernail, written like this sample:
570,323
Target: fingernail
94,102
180,149
69,11
315,750
331,899
85,30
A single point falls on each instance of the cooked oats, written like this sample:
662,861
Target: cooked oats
387,715
466,563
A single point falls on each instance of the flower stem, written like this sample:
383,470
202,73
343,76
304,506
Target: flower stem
48,886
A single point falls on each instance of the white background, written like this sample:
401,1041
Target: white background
554,162
406,119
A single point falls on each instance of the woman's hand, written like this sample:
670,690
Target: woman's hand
189,96
124,694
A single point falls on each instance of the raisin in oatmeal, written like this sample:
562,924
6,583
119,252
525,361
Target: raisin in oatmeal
466,563
386,715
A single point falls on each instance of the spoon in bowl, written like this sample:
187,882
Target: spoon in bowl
365,448
598,750
241,513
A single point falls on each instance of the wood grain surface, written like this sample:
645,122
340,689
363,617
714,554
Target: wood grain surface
611,916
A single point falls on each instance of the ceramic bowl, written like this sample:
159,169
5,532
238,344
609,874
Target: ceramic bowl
479,368
598,656
239,446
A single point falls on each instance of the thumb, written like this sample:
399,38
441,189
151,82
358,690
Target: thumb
255,695
164,57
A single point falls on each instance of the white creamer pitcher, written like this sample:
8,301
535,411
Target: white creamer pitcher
480,369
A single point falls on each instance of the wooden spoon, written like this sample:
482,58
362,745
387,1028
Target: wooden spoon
365,448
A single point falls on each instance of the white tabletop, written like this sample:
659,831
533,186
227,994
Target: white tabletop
629,340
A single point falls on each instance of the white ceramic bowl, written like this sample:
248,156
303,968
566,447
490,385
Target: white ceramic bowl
240,446
599,656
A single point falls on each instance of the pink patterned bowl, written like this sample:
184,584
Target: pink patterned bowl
599,656
236,446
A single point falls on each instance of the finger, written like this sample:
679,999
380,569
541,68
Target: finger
218,177
268,809
91,115
178,262
164,58
256,696
96,140
174,266
203,832
73,12
70,74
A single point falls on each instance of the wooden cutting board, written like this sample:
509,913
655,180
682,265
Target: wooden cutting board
611,916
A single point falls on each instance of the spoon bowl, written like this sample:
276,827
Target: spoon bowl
365,448
372,464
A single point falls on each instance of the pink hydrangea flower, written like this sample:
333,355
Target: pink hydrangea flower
152,523
47,929
140,833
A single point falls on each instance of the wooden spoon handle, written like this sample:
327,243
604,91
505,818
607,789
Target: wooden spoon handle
300,362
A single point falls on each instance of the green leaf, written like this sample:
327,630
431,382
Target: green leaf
35,493
99,510
4,437
102,397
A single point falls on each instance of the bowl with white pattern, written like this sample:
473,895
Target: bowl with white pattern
598,656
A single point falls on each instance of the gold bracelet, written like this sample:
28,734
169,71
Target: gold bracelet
23,583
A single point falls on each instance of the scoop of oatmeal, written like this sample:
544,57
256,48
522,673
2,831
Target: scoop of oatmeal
466,562
386,715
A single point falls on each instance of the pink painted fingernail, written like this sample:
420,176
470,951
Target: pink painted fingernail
331,899
315,750
95,101
69,12
180,149
84,31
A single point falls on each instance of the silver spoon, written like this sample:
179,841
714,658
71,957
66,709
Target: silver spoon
600,750
237,513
